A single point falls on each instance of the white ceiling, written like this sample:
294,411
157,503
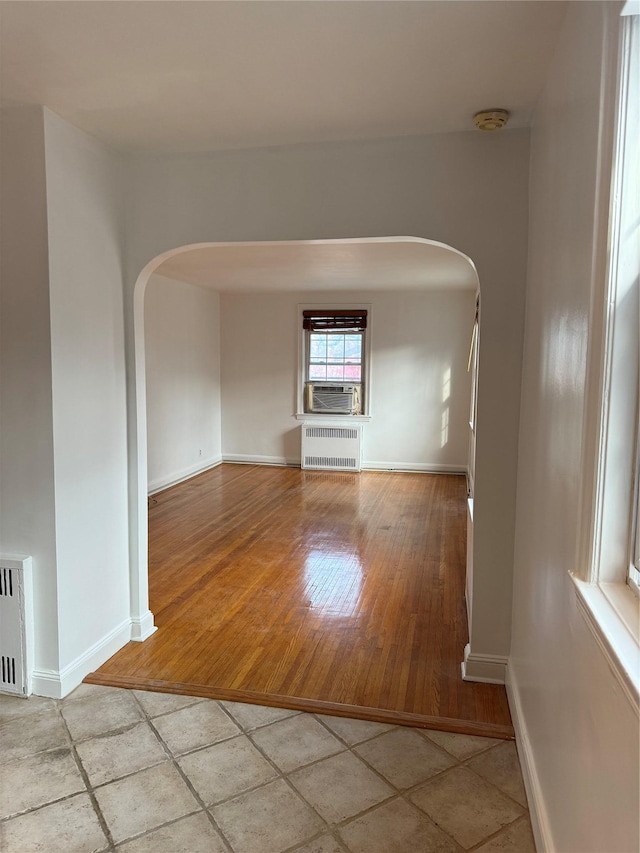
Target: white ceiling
189,76
389,264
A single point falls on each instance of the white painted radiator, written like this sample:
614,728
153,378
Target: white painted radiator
16,625
332,447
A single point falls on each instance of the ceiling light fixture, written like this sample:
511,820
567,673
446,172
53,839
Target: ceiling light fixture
491,119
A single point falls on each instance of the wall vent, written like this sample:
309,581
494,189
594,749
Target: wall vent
16,625
332,447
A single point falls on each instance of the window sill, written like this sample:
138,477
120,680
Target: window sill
611,613
315,416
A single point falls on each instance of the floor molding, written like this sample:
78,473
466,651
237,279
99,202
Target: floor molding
388,467
162,483
537,809
248,459
485,669
56,684
413,468
142,627
378,715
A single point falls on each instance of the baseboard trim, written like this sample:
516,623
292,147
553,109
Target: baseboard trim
248,459
185,474
487,669
142,627
56,684
537,809
46,682
297,703
414,467
409,467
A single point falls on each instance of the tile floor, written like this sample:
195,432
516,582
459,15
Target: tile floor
137,772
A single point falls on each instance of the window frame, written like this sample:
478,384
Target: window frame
609,527
301,381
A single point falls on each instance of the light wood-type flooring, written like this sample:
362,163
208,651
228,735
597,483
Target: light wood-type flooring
323,591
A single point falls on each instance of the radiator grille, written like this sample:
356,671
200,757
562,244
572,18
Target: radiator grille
6,581
8,670
331,432
330,462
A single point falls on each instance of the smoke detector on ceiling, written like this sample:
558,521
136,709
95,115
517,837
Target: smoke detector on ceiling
491,119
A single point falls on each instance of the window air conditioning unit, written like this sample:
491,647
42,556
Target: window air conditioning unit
333,399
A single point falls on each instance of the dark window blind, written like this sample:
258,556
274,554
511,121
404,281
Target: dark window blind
337,320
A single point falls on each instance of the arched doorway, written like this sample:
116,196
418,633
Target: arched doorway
435,264
328,265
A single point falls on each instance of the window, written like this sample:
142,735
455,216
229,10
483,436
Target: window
334,360
615,551
335,356
606,591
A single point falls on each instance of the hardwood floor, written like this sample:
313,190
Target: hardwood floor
316,590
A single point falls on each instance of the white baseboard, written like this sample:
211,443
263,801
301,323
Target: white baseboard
249,459
487,669
537,809
414,467
142,627
161,483
59,683
46,682
252,459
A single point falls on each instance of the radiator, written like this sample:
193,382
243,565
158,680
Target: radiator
16,625
332,447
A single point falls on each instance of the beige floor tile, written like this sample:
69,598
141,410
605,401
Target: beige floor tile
501,767
461,746
17,706
465,806
42,731
145,801
325,844
117,754
269,820
195,726
193,834
296,741
38,779
84,690
517,838
67,827
226,769
353,731
404,757
253,716
97,713
155,704
395,827
340,787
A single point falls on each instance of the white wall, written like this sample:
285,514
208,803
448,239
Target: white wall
88,391
182,348
415,339
579,730
27,511
468,190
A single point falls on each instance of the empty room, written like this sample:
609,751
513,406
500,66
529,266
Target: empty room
319,468
333,588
